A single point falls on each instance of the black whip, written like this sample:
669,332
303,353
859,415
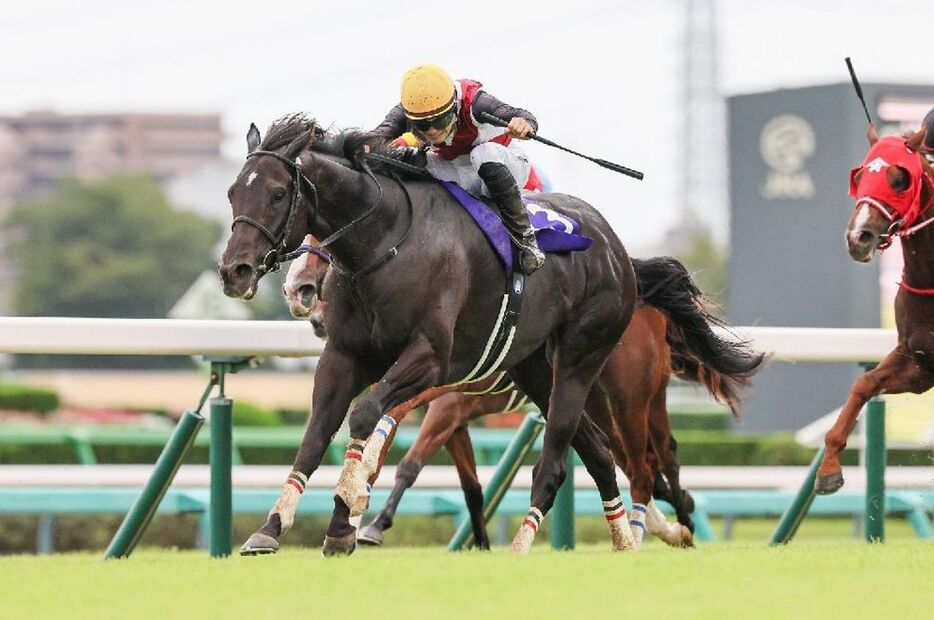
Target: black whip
495,120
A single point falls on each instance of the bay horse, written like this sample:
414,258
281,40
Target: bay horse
893,192
643,362
419,328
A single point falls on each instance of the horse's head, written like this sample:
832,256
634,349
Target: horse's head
302,288
269,206
892,188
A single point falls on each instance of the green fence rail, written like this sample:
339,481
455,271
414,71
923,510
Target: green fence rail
51,502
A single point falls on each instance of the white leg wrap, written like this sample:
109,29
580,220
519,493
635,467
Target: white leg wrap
620,532
287,503
637,523
363,502
350,483
522,543
673,534
374,445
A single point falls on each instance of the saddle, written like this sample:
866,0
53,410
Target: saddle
555,232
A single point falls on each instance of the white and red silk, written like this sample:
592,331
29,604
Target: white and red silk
874,188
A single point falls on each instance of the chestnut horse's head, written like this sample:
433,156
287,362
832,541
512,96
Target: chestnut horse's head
302,288
893,190
270,214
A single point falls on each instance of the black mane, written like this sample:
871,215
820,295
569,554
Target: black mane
346,144
285,129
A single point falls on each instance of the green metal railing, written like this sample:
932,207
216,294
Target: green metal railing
221,459
875,461
176,449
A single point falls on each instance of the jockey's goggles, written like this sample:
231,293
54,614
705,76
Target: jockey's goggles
436,122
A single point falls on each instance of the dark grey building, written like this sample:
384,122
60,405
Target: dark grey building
790,155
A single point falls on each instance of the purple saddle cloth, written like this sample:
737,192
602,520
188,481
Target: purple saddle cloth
555,232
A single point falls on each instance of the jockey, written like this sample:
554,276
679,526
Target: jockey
480,157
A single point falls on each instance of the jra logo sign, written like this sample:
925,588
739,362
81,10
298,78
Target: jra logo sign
787,142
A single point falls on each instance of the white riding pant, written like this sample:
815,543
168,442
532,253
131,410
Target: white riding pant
464,169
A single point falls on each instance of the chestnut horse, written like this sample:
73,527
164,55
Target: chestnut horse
893,192
642,363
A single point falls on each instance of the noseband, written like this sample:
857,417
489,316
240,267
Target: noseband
274,258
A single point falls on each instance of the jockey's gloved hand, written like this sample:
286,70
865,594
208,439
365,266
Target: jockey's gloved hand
415,156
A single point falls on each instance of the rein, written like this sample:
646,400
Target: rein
273,259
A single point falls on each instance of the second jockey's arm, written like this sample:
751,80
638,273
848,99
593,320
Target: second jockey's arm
522,123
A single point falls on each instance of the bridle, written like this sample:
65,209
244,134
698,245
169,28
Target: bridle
897,224
274,258
898,227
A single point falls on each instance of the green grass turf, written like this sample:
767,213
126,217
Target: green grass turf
731,580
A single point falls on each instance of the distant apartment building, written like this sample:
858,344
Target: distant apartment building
38,148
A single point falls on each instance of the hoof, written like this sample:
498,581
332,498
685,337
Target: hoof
371,536
831,483
339,545
259,544
687,537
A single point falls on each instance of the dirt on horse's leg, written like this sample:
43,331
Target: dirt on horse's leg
416,370
339,381
591,446
375,450
897,373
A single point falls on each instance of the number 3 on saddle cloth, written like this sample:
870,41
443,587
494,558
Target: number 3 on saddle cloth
554,232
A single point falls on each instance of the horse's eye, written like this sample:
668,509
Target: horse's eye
278,194
899,178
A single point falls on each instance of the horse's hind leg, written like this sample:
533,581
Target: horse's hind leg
460,448
417,369
441,420
339,379
566,421
676,534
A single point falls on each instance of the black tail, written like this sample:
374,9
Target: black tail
698,353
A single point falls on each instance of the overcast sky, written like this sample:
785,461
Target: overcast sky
602,77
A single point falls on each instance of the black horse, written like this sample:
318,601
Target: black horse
425,320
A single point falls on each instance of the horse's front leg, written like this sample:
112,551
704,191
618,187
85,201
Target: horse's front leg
337,380
419,368
899,372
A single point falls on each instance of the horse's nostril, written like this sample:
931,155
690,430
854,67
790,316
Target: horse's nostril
866,237
242,271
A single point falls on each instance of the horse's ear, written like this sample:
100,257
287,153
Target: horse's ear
252,139
871,134
916,140
298,145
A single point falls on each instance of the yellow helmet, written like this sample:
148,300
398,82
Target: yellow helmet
427,91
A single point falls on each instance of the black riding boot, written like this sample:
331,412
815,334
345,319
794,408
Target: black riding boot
504,191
